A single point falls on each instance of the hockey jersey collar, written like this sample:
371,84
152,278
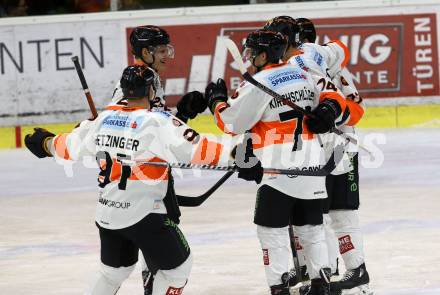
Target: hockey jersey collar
272,66
124,108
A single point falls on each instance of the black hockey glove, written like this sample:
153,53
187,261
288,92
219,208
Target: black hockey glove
249,166
190,105
324,116
36,142
216,92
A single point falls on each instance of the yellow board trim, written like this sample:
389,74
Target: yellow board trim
375,117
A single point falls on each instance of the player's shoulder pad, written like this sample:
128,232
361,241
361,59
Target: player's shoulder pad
308,45
164,117
340,47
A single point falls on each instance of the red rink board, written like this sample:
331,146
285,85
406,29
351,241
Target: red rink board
391,56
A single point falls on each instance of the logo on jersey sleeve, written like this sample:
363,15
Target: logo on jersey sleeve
162,112
317,57
301,63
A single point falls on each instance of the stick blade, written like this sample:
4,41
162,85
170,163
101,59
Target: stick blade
236,55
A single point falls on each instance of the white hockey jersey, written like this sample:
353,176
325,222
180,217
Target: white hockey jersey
331,59
280,137
122,139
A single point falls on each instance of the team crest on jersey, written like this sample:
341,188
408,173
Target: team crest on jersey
122,122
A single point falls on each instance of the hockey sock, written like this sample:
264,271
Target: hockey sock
172,281
312,237
346,226
276,252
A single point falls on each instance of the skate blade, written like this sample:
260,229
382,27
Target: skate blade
361,290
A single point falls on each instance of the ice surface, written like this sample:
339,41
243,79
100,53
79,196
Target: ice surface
49,243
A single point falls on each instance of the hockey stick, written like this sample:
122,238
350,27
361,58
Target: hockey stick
233,50
85,87
185,201
325,170
294,254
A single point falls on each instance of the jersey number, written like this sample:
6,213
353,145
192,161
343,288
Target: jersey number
298,129
106,165
326,85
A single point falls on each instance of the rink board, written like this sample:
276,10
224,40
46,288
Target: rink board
376,117
394,53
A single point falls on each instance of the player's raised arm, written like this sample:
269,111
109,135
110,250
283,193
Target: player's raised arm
175,141
239,113
68,146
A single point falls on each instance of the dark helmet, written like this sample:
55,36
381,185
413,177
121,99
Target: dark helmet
273,43
306,30
287,26
136,81
147,37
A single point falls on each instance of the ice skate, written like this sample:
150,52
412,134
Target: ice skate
354,282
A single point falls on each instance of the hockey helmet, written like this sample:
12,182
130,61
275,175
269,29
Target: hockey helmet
136,81
273,43
287,26
149,37
306,30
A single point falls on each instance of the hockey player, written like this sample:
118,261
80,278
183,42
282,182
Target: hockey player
130,213
307,31
283,138
150,46
342,187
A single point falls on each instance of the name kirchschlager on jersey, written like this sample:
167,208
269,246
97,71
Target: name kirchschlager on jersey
280,136
122,139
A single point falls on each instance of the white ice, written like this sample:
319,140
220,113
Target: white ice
49,243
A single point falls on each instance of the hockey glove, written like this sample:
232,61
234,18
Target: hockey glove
249,166
324,116
216,92
190,105
37,142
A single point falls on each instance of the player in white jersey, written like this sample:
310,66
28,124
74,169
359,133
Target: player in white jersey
283,138
151,46
342,187
130,213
